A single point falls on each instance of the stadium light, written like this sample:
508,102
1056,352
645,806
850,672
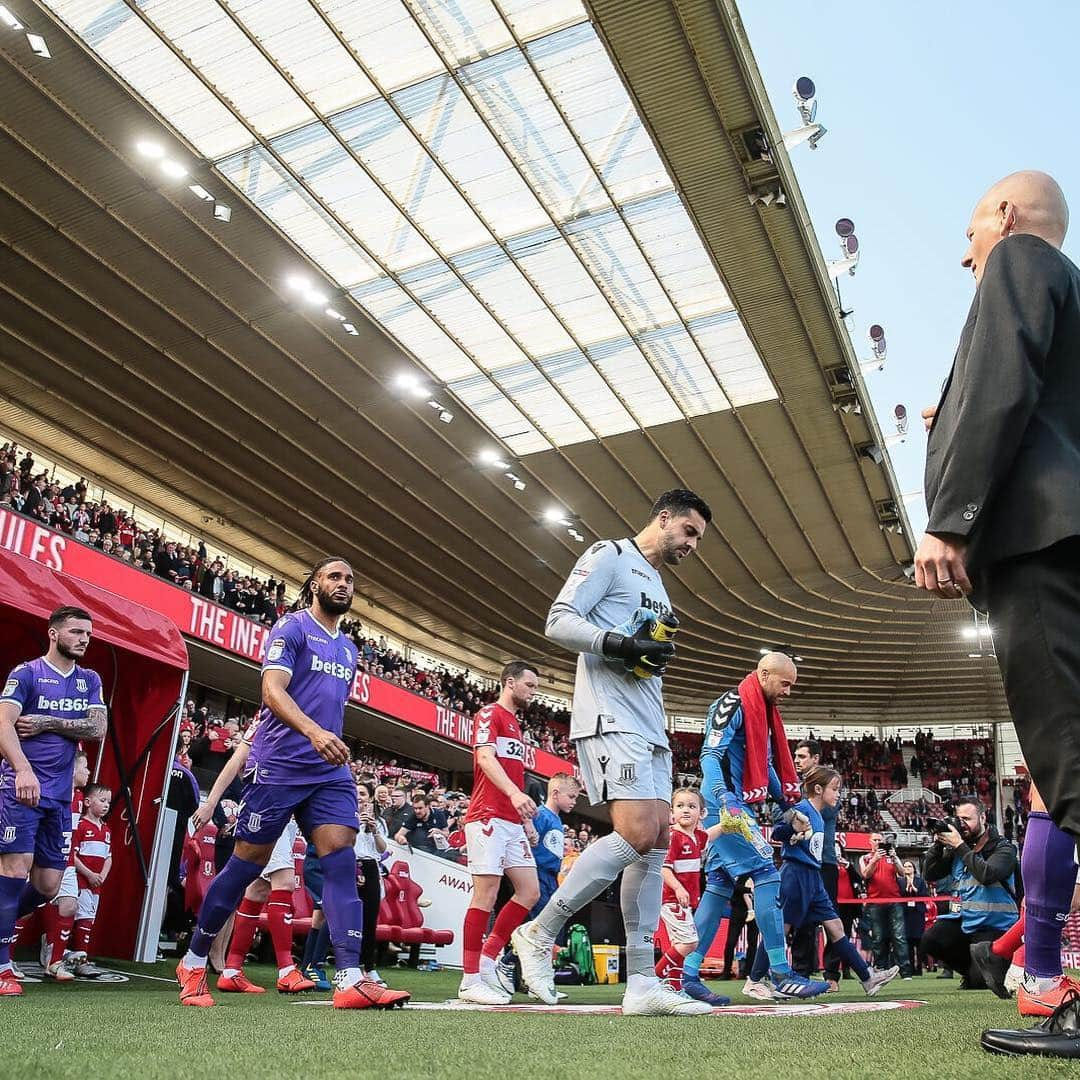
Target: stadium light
895,440
516,480
350,329
969,632
149,149
313,296
173,169
222,212
446,416
201,192
805,94
900,413
878,350
491,457
37,45
298,283
334,314
849,249
7,17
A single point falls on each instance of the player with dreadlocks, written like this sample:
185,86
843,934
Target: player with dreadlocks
299,768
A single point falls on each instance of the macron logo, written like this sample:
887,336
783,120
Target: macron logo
331,667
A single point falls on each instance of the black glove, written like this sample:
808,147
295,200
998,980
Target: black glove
640,649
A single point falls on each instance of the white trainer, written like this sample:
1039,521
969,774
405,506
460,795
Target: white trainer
658,999
536,968
878,979
60,972
1014,977
482,993
761,991
504,977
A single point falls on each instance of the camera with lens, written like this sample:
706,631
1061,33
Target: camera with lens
942,825
888,843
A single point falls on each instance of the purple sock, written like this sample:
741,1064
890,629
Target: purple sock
10,889
341,903
1049,877
221,900
29,900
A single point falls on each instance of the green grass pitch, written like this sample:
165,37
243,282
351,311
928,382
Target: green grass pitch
138,1030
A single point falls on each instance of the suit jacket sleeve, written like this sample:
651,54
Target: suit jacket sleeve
1019,297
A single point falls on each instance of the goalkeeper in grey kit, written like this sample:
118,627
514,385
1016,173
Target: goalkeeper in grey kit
615,613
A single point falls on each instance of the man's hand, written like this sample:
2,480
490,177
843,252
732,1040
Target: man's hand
524,806
939,567
682,897
928,415
202,816
28,725
27,788
329,747
531,834
950,838
92,879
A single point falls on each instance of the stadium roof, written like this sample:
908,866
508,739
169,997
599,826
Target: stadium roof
539,215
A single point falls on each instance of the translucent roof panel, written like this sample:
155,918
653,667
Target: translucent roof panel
475,176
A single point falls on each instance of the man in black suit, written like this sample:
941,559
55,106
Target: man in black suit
1003,501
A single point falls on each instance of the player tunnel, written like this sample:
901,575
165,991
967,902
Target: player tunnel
143,662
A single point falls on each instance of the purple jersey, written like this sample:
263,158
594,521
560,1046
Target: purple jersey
39,689
321,666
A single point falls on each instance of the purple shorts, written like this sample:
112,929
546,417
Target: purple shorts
44,829
266,808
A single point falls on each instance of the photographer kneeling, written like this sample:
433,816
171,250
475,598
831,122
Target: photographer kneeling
982,866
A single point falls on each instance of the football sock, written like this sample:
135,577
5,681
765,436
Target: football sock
57,932
1049,875
847,952
669,968
341,903
472,939
593,871
507,921
221,900
1011,940
770,919
710,913
760,967
244,926
279,917
80,935
10,890
639,897
29,899
322,946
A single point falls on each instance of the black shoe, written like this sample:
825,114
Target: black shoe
1057,1036
992,967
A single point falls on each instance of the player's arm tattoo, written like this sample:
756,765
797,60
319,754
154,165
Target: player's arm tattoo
91,726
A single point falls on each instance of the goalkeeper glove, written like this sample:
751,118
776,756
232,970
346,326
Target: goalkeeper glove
633,643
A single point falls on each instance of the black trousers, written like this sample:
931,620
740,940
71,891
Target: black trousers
804,940
370,890
739,914
1033,602
947,942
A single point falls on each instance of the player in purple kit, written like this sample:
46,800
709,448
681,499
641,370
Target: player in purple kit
299,767
46,707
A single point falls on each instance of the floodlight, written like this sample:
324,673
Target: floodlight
969,632
222,212
805,94
334,314
149,149
491,457
554,515
446,416
201,192
37,45
7,17
849,248
298,283
313,296
900,413
350,329
173,169
876,333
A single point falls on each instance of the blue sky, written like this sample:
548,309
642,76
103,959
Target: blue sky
926,106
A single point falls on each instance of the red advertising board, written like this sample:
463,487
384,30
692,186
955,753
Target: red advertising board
207,621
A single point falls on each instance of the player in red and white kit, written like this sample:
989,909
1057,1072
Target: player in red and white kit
92,851
682,886
497,839
59,915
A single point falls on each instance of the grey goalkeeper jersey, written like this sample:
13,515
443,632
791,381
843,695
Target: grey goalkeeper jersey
608,584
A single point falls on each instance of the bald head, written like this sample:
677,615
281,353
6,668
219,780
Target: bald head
777,674
1023,202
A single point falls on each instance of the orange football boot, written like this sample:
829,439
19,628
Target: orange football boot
238,984
369,995
294,983
1044,1002
193,989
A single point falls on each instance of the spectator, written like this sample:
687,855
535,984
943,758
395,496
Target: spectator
912,884
394,815
982,866
423,828
881,869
